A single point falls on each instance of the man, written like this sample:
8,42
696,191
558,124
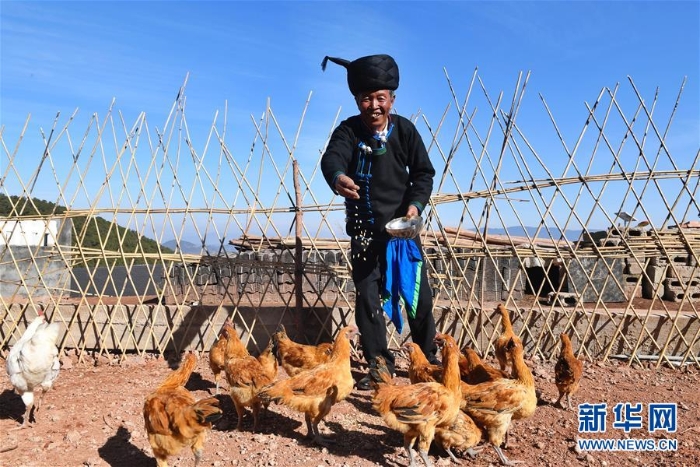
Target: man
377,161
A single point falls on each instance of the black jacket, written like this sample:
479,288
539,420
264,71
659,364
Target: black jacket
389,182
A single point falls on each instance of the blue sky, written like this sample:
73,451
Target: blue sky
59,56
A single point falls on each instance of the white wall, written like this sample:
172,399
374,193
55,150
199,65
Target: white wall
28,232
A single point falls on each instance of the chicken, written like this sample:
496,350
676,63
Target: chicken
494,404
522,373
315,391
420,370
567,372
462,435
474,371
504,338
417,410
174,420
246,376
217,353
295,357
228,345
379,374
33,363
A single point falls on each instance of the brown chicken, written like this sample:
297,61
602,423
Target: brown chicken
246,376
494,404
417,410
217,358
174,420
420,370
500,345
295,357
463,435
315,391
567,372
474,371
228,345
523,373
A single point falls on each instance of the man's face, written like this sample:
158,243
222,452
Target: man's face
375,107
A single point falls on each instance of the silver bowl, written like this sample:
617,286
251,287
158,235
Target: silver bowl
402,227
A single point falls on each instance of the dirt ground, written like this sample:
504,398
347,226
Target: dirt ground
92,417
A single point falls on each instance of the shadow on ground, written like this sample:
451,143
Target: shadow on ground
11,406
118,451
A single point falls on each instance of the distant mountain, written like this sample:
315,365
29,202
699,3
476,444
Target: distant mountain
184,246
190,248
569,234
87,232
213,250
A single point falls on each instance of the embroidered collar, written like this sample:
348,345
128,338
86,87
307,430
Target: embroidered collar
381,137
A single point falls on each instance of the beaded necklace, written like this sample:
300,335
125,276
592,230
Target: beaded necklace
381,137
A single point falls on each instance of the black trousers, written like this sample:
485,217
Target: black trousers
368,259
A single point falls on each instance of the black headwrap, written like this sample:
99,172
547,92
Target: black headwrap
370,73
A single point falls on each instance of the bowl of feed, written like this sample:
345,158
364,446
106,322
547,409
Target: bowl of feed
403,227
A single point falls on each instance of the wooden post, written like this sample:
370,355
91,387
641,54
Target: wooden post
298,265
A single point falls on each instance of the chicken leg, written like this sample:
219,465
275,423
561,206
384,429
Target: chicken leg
426,459
472,452
452,456
28,399
424,442
504,459
408,446
560,404
27,414
314,434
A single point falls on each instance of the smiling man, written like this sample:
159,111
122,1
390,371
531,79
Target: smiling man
377,161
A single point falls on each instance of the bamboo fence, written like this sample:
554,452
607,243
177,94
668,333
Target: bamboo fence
512,195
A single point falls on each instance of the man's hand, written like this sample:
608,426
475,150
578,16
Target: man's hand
346,187
412,211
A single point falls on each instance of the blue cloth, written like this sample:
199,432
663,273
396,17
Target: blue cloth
404,264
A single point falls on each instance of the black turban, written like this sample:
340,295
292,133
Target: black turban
367,74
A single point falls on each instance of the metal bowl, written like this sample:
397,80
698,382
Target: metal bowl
402,227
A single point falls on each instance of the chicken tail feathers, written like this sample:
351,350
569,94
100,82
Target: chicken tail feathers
180,376
379,374
207,410
266,395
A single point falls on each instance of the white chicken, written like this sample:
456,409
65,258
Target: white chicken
33,363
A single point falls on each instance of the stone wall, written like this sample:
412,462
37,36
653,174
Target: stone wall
271,272
163,328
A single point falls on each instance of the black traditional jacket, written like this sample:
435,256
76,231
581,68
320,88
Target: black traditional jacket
392,175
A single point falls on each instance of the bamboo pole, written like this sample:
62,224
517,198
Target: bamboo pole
179,186
298,265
